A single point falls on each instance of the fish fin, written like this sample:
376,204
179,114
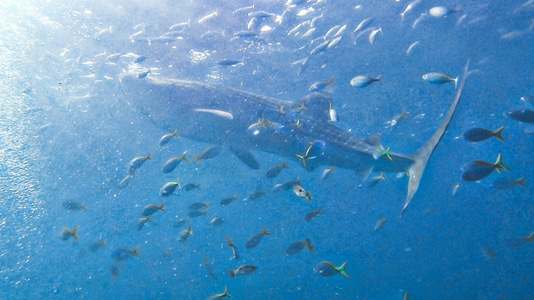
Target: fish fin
246,157
364,173
421,157
498,134
374,140
342,270
499,164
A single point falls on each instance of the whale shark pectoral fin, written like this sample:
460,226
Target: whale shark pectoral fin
246,157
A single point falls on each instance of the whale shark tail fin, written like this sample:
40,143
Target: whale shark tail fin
423,154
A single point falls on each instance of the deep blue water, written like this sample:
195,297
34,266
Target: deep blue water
68,134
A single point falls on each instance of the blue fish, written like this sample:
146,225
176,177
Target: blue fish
478,169
123,253
222,117
326,268
524,115
482,134
508,183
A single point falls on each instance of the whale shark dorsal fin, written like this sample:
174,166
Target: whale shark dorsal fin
317,104
374,140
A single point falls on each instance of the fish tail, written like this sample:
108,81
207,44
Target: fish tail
162,206
225,293
498,134
75,233
184,157
521,182
265,232
499,164
197,158
136,252
342,271
421,157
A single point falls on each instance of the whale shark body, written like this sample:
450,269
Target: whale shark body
298,130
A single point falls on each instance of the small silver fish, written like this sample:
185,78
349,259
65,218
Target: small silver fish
151,209
333,114
191,186
137,162
217,221
373,34
229,62
440,11
66,233
363,24
275,171
296,247
321,85
326,173
219,113
309,216
199,205
173,162
380,224
166,138
208,153
208,17
73,205
184,234
410,48
255,195
125,181
228,200
243,270
410,7
439,78
256,239
362,81
169,188
231,244
142,221
322,47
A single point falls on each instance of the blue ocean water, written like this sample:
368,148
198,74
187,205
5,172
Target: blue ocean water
68,133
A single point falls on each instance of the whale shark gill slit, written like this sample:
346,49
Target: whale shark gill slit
245,122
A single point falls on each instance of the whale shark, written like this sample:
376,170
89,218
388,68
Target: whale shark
299,130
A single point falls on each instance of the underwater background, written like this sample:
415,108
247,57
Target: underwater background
67,136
